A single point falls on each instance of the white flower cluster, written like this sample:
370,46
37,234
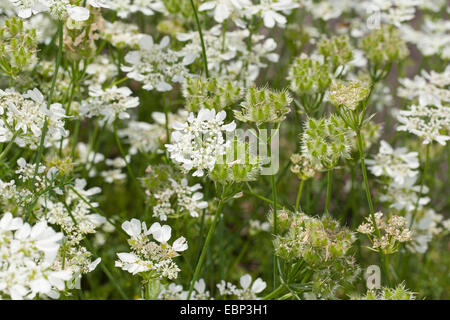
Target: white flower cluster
59,9
393,12
108,103
121,34
399,167
188,199
248,291
176,292
231,57
397,164
149,258
427,224
126,7
393,231
155,65
76,219
431,123
271,11
24,115
198,143
328,9
432,39
429,118
27,254
17,194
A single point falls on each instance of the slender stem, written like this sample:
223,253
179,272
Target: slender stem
422,183
382,257
366,181
275,228
386,269
50,100
259,197
206,244
329,183
205,61
299,195
353,198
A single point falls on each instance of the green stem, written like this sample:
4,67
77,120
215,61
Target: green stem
206,244
49,102
259,197
275,227
329,183
366,181
386,270
299,195
205,61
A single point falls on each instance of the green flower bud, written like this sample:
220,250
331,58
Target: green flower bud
325,141
337,50
384,45
348,95
212,93
264,106
309,76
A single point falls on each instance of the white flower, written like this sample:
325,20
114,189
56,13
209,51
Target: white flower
327,10
426,226
188,200
397,164
429,88
132,263
199,142
59,9
249,290
125,7
28,253
155,65
148,256
108,103
431,123
25,115
231,59
269,11
405,196
224,8
257,286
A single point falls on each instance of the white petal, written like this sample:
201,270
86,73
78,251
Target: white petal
180,244
258,286
78,13
245,281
